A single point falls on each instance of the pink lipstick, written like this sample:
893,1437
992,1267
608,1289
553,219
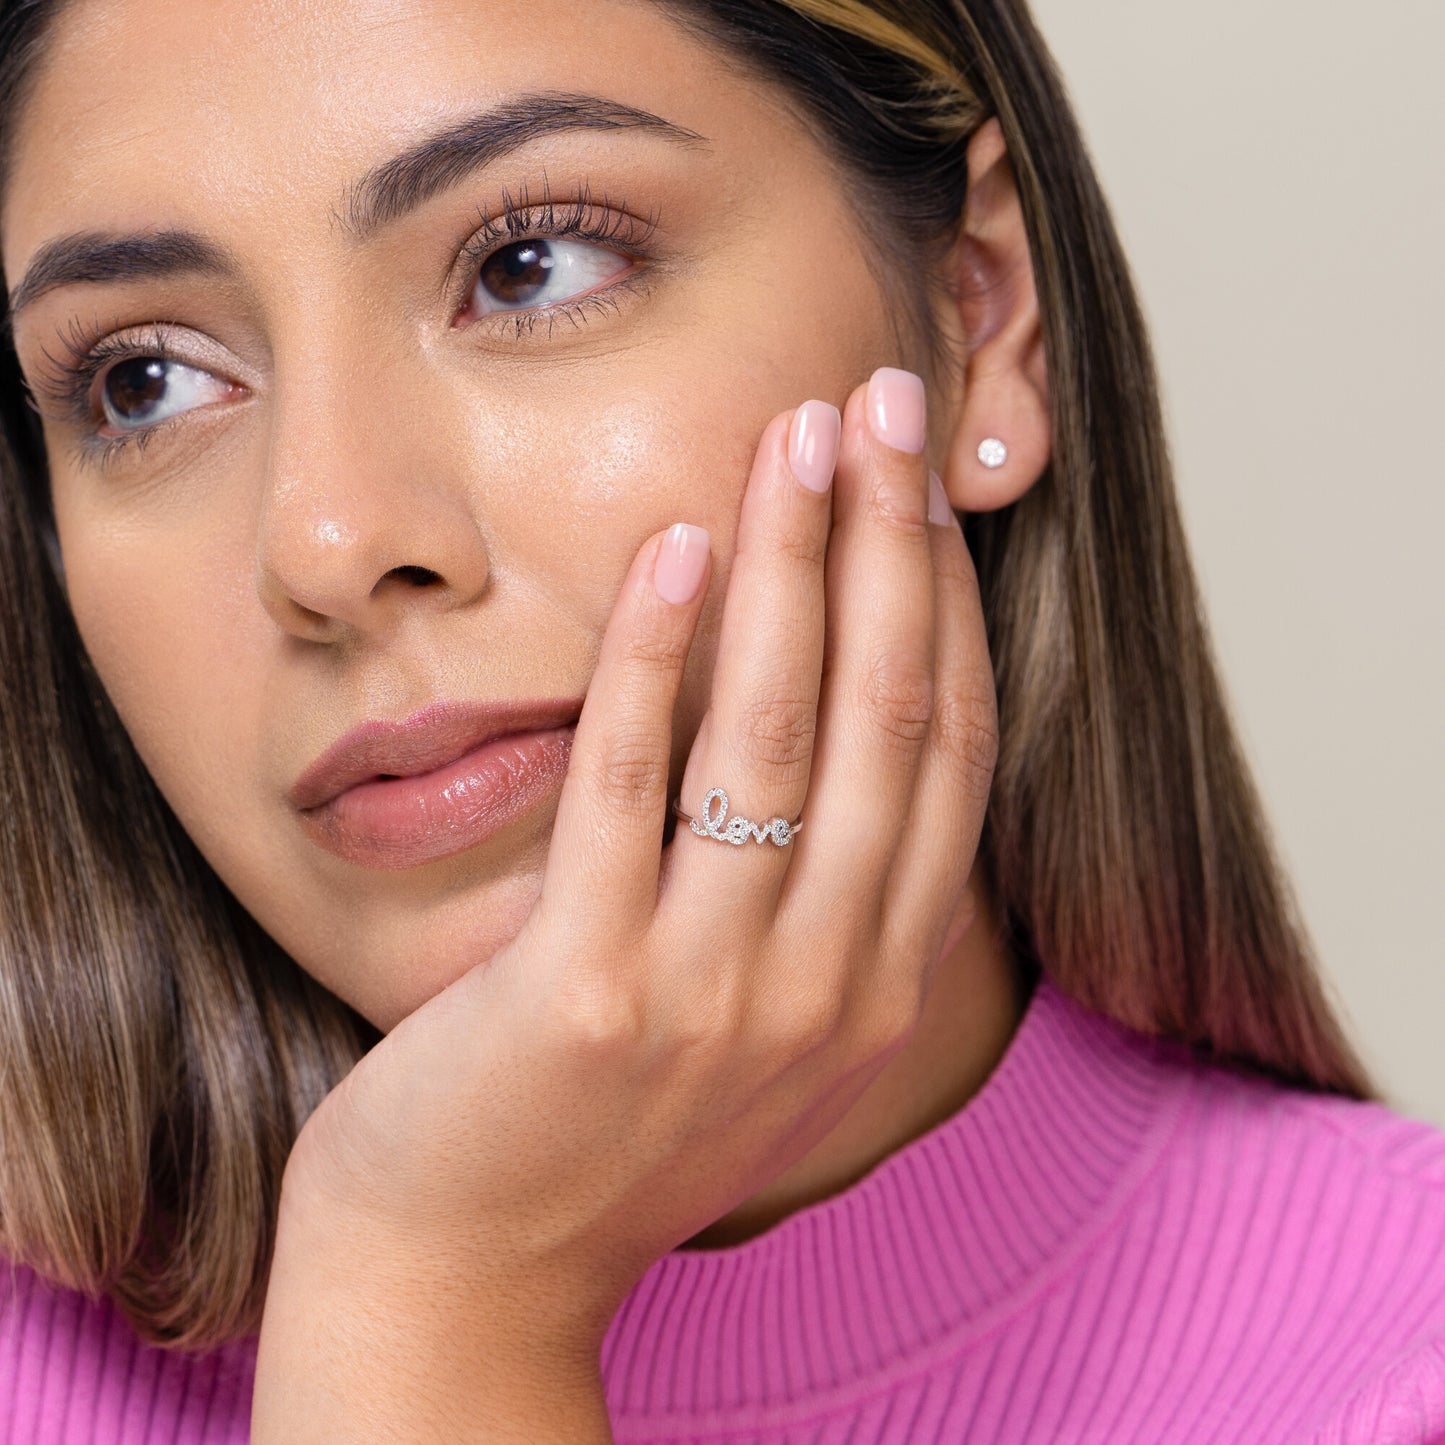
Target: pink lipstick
395,795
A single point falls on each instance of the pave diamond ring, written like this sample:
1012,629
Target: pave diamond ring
739,829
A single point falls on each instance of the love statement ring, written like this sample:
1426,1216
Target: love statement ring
739,829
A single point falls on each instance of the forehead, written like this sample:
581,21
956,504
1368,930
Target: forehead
247,107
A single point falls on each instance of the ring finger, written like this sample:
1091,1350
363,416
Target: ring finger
756,739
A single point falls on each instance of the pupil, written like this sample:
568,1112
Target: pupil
136,383
518,271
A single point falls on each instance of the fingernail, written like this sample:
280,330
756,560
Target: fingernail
938,508
680,562
895,408
813,443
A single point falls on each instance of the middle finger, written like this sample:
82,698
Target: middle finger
756,741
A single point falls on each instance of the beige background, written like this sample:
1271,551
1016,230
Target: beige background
1275,169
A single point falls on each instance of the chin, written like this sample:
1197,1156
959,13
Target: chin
431,955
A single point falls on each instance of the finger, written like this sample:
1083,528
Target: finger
877,690
602,863
756,739
945,821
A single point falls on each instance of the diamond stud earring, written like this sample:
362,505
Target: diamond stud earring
992,453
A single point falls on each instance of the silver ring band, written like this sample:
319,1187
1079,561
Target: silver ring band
739,829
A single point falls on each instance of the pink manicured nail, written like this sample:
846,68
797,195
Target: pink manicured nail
895,408
813,443
938,508
680,562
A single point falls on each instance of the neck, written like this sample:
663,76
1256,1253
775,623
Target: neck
975,1002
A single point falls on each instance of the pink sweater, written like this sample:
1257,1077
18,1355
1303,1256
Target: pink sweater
1111,1242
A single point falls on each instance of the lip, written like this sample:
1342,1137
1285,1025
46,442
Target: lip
454,774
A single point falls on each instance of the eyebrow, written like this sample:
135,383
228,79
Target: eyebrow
380,197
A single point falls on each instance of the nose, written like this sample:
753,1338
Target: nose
367,506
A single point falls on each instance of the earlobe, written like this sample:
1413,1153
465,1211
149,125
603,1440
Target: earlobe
1005,380
1002,444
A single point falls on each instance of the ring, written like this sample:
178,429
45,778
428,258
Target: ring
740,829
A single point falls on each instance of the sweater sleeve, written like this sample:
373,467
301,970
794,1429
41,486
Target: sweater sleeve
1404,1405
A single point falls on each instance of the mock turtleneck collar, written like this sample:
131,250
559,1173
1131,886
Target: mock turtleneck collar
939,1241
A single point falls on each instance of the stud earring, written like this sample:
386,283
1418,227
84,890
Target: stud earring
992,453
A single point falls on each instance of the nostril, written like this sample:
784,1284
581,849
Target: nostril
422,576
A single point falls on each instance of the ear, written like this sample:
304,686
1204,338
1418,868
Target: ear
1005,377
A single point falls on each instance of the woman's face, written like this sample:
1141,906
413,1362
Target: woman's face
346,399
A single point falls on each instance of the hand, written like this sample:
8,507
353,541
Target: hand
672,1027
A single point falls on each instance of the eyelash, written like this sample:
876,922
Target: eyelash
69,382
515,223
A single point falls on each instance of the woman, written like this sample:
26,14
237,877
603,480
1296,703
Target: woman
368,1079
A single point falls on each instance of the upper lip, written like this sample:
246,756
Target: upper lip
439,733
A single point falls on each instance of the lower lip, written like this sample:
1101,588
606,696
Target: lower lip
402,822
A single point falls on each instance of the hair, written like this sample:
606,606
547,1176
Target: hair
159,1052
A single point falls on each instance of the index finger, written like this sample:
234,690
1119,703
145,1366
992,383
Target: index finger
603,861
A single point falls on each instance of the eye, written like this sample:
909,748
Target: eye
541,271
143,390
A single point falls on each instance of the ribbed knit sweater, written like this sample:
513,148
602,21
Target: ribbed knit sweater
1111,1242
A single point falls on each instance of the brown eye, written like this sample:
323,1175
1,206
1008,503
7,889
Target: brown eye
142,390
134,385
517,272
521,272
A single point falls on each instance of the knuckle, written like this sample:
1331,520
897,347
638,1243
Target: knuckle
968,732
708,1025
899,508
956,573
632,774
888,1022
898,692
597,1014
776,731
812,1022
650,653
793,1028
808,547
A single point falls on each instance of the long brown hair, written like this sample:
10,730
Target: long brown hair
159,1051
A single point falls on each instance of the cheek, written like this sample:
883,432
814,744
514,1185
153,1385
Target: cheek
167,644
677,445
630,466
